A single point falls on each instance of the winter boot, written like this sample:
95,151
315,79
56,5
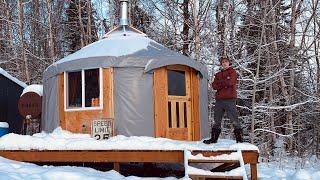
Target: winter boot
238,135
214,136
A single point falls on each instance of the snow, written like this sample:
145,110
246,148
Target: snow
301,175
19,170
26,171
232,156
286,168
61,139
7,75
289,168
4,125
115,44
37,88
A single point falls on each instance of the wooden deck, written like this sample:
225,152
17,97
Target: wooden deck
120,156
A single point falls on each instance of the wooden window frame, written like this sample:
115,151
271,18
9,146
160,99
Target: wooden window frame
83,108
187,71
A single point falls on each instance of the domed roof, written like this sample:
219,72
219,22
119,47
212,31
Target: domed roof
120,42
122,47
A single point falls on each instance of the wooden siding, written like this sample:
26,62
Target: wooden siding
80,121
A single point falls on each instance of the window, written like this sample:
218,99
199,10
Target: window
176,83
92,87
83,89
74,89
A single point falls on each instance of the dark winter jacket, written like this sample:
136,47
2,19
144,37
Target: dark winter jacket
225,82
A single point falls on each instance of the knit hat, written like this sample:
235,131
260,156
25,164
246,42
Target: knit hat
224,58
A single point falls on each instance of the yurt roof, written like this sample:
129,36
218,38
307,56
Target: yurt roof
15,80
123,47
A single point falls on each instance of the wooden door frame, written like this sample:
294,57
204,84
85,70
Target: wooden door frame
161,100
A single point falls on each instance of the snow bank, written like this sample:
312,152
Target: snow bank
37,88
7,75
290,168
61,139
18,170
302,175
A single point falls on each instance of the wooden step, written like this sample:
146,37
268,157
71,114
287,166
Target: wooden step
213,161
198,176
196,173
225,167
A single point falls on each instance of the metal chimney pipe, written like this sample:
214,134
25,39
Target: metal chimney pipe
124,12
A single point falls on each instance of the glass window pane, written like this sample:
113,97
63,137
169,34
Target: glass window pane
74,89
92,88
176,83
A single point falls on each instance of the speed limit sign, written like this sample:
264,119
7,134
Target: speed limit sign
102,129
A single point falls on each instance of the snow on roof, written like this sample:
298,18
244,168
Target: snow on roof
115,44
61,139
37,88
7,75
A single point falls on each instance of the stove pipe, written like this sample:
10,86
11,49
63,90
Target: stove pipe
124,13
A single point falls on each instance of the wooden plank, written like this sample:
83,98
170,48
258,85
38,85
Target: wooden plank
61,100
95,156
178,133
160,88
188,83
108,86
189,121
196,128
178,98
178,67
181,114
173,114
225,167
196,176
254,173
116,167
249,156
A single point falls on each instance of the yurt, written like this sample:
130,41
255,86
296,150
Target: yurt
137,85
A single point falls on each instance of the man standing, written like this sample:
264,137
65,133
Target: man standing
225,82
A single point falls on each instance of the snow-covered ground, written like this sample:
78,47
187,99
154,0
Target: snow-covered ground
284,168
290,169
266,171
14,170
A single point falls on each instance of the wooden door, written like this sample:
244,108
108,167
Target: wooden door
174,103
